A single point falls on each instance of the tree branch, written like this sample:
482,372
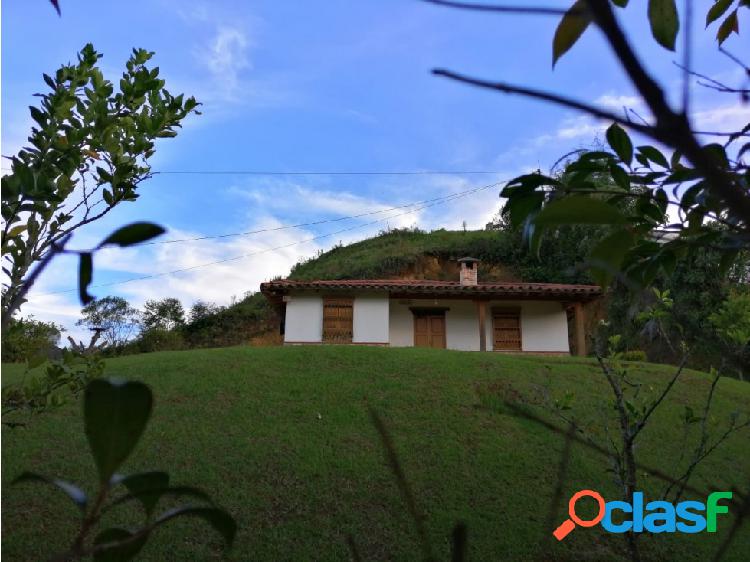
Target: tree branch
499,8
18,298
671,128
544,96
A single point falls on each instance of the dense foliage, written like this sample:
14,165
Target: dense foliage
26,338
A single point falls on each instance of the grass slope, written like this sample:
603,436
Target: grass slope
281,437
390,253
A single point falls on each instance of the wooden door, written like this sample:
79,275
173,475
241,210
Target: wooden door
429,330
337,320
507,331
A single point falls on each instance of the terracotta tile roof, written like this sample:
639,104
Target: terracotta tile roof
274,289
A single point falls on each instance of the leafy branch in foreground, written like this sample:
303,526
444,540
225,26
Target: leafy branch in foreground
708,185
88,152
635,191
116,414
63,377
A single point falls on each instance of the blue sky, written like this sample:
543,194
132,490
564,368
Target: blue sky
322,86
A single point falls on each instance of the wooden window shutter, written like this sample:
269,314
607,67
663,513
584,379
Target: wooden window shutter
338,320
506,325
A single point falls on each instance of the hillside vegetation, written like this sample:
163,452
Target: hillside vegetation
282,438
433,255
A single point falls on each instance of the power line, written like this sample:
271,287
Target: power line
313,223
319,172
327,173
281,247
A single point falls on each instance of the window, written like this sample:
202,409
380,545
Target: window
337,320
506,324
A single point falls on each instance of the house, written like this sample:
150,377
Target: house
465,315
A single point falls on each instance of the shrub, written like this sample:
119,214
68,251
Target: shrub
634,355
159,339
268,339
26,338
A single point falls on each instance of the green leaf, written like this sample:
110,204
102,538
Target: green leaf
115,415
579,209
569,30
147,488
71,490
220,520
35,360
654,155
717,10
527,182
152,496
729,25
620,176
605,260
133,233
520,206
117,552
85,274
620,142
533,235
38,116
662,15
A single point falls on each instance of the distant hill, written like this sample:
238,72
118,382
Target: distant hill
416,254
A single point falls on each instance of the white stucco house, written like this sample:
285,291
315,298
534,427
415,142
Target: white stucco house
464,315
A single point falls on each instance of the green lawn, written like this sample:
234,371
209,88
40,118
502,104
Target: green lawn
281,438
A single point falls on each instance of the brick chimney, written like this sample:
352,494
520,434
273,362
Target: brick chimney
468,274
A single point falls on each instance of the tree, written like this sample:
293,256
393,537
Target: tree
25,339
202,310
732,323
88,153
165,314
114,316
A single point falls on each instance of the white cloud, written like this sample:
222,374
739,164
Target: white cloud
618,102
226,56
727,118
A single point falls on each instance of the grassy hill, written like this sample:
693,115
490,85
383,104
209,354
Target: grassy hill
403,252
433,255
281,437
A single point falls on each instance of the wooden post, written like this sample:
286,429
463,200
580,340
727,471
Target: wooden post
481,308
580,330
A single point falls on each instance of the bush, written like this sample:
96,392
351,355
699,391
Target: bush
268,339
158,339
634,355
26,338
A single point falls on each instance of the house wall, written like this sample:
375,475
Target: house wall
544,325
370,323
377,319
304,319
400,325
461,323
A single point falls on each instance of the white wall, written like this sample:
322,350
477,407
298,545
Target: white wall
400,325
370,321
544,325
304,319
461,325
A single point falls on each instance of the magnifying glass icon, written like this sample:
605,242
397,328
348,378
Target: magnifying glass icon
569,524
